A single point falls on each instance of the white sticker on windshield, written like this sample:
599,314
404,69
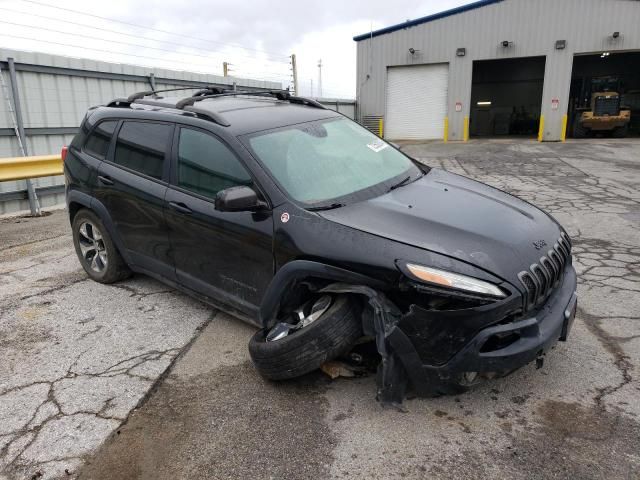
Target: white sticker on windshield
377,146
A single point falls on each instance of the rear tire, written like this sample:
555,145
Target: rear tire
305,350
97,254
620,132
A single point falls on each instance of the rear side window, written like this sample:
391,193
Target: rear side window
97,144
206,165
141,146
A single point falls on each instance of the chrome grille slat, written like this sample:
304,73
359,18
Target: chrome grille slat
540,279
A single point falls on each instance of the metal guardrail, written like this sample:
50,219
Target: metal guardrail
23,168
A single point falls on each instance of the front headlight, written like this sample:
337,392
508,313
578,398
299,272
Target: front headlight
454,280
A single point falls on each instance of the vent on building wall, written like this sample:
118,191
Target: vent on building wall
373,123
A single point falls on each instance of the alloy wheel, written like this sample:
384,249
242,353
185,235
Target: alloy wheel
92,247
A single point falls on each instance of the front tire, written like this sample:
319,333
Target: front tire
305,350
97,254
620,132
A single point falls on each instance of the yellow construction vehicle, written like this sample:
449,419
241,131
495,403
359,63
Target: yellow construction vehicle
604,113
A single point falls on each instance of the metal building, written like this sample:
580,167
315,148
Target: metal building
498,67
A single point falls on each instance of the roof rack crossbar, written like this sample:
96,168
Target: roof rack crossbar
279,94
138,95
153,103
229,93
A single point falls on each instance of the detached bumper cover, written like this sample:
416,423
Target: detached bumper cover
500,348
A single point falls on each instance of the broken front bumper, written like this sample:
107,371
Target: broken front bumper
500,348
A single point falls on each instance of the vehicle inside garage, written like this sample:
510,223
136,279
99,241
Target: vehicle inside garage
604,98
506,96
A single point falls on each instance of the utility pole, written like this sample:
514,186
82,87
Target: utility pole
225,69
311,83
294,68
320,78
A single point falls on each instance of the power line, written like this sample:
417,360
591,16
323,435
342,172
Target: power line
149,28
209,58
100,38
117,32
98,50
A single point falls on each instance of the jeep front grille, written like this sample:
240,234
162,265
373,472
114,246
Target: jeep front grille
543,277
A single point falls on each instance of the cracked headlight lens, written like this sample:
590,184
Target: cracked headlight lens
454,280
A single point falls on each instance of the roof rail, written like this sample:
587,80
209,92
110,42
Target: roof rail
187,104
213,116
138,95
279,94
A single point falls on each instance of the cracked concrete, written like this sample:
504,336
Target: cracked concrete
77,356
82,357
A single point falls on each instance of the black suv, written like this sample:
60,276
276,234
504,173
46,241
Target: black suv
299,220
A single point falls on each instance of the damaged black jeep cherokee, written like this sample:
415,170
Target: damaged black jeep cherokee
299,220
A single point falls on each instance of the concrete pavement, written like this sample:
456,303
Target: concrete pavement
125,363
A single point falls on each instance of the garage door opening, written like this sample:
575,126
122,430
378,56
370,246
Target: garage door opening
604,99
416,102
506,97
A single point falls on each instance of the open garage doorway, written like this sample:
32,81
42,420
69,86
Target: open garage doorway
604,99
506,97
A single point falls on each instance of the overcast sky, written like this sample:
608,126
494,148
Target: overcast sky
255,37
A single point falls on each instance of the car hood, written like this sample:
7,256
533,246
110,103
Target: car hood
458,217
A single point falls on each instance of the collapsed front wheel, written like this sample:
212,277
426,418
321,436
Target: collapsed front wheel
306,348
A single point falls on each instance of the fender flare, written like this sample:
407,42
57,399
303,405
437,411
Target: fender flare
298,270
97,207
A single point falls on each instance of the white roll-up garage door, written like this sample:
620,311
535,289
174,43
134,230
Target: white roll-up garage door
416,101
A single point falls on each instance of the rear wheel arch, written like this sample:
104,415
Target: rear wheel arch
77,201
74,208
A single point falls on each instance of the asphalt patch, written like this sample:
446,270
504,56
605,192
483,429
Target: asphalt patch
574,441
226,423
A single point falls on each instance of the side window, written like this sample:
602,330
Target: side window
141,146
206,165
97,145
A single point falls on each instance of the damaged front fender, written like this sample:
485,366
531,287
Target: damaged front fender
297,271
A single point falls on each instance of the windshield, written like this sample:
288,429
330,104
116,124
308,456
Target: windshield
324,161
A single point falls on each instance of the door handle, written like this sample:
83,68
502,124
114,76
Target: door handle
180,207
105,180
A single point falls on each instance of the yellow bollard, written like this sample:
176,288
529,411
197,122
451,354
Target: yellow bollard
563,133
465,130
446,129
541,129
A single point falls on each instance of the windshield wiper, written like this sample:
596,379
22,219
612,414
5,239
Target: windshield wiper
326,207
400,183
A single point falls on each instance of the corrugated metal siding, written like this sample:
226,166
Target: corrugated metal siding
532,25
346,107
52,100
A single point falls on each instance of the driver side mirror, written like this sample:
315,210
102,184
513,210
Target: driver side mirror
238,199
